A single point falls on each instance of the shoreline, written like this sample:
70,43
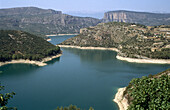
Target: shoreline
59,34
151,61
120,100
38,63
89,48
131,60
48,39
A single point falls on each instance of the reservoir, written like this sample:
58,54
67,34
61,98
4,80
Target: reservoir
80,77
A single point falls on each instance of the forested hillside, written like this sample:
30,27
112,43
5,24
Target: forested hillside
22,45
149,93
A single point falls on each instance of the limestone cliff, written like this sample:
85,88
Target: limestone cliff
137,17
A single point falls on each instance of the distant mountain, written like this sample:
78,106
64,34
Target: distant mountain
43,21
144,18
47,21
27,11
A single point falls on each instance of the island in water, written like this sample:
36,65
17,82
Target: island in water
133,42
23,47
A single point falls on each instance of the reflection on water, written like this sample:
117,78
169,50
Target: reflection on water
53,61
17,69
92,55
105,61
22,68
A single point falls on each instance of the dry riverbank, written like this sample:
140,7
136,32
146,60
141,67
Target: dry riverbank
48,39
121,100
90,48
38,63
133,60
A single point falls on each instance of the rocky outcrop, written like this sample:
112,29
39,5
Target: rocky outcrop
121,100
137,17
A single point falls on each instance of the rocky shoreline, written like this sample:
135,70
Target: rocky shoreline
121,100
38,63
132,60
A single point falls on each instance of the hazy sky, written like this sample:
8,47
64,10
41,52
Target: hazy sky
92,6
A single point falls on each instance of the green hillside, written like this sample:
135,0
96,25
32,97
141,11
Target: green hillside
22,45
149,93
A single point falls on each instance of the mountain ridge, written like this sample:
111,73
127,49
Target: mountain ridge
48,21
43,21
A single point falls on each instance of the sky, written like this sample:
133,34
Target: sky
91,7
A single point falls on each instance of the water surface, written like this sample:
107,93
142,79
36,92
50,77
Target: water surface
81,77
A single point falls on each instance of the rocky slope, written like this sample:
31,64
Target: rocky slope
43,21
134,41
137,17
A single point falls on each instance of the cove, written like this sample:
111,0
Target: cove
80,77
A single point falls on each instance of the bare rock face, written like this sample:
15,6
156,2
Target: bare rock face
121,100
118,17
137,17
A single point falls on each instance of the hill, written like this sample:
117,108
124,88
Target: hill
132,40
145,18
146,93
22,45
43,21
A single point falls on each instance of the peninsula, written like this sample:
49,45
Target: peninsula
133,42
22,47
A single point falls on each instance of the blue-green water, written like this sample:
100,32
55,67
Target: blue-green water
81,77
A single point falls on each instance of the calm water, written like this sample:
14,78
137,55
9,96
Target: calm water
81,77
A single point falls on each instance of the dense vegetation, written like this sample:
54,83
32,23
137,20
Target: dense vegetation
149,93
22,45
133,40
71,107
4,98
